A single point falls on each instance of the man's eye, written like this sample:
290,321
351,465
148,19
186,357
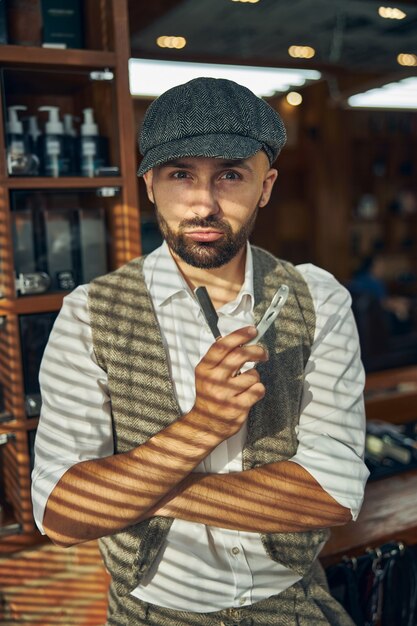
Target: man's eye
231,175
180,174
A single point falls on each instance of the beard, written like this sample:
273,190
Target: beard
207,254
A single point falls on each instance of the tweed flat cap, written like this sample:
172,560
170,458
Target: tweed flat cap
209,117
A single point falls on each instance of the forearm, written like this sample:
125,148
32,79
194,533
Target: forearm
280,497
99,497
103,496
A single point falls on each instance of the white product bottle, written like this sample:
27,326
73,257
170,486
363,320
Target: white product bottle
33,134
17,150
70,144
33,131
52,143
91,149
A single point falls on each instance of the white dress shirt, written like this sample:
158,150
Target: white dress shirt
202,568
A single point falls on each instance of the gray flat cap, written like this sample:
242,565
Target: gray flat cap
209,117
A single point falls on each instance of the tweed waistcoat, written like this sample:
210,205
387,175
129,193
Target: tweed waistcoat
128,346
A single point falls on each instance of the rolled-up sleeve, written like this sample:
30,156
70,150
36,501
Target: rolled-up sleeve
331,430
75,422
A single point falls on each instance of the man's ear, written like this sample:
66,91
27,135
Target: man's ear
148,178
269,181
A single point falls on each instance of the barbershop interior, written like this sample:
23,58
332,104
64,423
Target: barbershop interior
76,79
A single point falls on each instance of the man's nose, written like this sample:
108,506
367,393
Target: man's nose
204,200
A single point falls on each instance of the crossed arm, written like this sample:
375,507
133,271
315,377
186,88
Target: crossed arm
97,498
279,497
100,497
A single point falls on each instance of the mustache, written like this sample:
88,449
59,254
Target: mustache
205,222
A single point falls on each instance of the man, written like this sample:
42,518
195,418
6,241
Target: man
209,469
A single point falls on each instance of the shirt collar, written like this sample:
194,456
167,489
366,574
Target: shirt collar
245,298
167,281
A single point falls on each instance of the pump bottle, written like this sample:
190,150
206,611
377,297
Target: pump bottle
70,145
93,147
52,143
18,156
33,133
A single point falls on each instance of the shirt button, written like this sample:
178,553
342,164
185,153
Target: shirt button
242,601
235,550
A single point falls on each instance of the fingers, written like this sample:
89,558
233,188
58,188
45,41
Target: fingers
254,393
236,359
248,384
226,344
230,353
223,400
248,394
241,383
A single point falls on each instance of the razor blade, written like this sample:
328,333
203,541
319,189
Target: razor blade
270,314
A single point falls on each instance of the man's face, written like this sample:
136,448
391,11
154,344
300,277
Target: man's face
207,207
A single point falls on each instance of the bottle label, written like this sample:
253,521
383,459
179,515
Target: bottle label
88,148
17,148
53,147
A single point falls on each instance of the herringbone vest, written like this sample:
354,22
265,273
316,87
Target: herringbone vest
128,346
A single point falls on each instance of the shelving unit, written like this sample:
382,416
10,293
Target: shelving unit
383,215
35,76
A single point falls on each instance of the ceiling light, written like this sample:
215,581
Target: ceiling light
151,77
400,95
294,98
391,13
407,59
171,42
301,52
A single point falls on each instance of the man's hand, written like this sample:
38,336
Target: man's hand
114,492
223,395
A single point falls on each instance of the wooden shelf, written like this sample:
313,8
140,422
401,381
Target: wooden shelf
389,513
19,425
31,55
70,183
391,395
33,304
